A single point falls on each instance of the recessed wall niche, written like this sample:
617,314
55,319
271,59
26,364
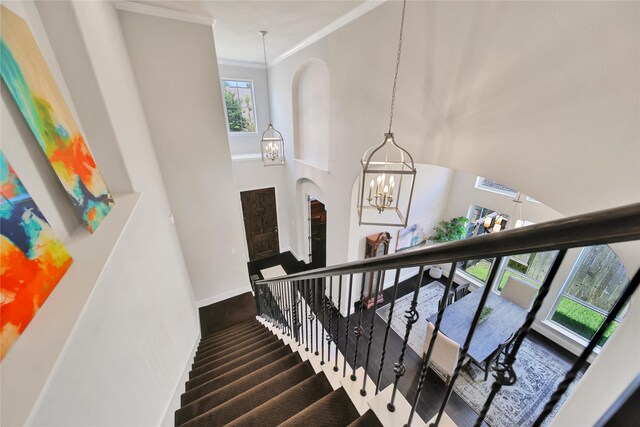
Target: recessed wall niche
311,125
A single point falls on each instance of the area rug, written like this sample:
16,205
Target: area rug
538,371
271,272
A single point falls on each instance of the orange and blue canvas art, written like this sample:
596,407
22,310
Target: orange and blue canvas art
29,79
32,258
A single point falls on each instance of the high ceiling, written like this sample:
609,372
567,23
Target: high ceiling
238,23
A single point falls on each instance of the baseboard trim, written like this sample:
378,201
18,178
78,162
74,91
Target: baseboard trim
174,402
289,249
223,296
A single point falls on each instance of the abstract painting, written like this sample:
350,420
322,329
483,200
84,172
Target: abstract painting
28,78
32,259
413,235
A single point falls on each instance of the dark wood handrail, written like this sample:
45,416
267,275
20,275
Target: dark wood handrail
607,226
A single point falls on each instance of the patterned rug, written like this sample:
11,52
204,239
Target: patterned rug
538,371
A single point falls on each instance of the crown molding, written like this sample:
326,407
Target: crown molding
162,12
245,64
352,15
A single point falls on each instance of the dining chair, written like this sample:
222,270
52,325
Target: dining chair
461,291
496,356
519,292
445,353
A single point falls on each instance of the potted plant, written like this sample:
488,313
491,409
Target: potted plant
447,231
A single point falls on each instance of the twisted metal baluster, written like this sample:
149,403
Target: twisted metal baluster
580,362
322,303
287,301
329,307
294,312
276,307
289,288
312,307
363,391
386,333
315,309
412,317
269,302
467,342
306,316
427,356
335,368
359,331
279,307
346,330
505,374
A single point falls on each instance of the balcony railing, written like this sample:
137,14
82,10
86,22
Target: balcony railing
281,299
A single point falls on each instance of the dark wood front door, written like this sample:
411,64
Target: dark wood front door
260,222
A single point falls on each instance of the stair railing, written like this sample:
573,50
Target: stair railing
609,226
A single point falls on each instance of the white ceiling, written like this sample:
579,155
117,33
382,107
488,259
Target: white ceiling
238,23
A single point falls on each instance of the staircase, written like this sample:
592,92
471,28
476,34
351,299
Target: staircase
246,376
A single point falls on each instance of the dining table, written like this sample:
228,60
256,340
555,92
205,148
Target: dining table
494,330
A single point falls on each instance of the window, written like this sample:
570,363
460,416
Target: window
496,187
479,268
239,106
594,285
530,268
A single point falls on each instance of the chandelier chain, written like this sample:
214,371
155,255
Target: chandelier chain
395,78
266,70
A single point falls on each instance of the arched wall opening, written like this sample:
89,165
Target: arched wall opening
311,121
305,189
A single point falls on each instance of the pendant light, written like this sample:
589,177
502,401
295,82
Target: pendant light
518,207
388,173
271,141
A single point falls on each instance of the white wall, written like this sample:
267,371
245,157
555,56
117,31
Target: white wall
248,144
181,94
123,317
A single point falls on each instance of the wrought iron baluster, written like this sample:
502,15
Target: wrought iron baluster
505,375
386,332
268,302
346,330
314,297
274,305
467,342
312,313
287,301
294,312
335,367
363,391
322,303
306,315
280,308
427,356
329,307
412,317
580,362
359,331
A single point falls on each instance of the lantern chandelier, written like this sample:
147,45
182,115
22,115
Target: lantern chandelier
271,141
388,173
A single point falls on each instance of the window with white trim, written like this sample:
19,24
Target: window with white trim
495,187
239,105
592,288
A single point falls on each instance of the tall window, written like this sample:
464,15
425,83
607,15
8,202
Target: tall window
530,268
479,268
596,282
239,106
